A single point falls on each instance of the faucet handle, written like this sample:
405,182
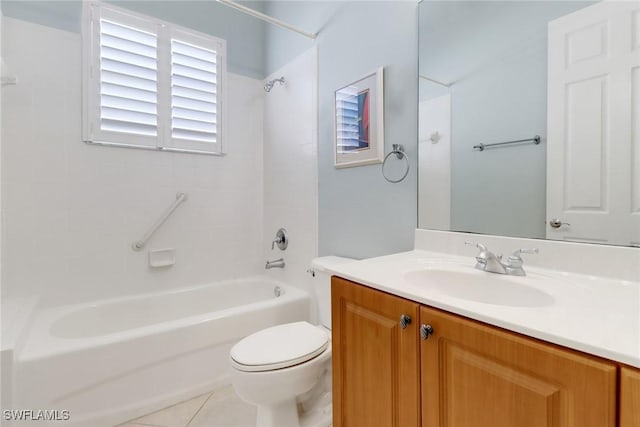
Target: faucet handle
282,240
515,260
517,252
275,241
480,246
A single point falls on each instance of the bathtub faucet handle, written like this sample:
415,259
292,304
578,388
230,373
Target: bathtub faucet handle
273,243
282,240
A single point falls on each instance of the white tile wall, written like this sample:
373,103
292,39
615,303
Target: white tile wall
73,210
290,168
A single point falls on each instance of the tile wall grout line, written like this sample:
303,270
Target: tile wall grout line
138,424
130,422
199,409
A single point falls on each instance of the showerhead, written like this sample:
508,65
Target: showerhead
269,85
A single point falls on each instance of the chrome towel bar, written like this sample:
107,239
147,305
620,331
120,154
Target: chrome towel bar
481,147
139,244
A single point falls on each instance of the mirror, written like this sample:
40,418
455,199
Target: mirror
495,76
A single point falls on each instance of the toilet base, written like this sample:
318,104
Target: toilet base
289,397
284,414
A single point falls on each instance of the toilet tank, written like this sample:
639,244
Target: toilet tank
322,285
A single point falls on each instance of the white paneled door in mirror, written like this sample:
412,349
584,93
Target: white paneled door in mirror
593,142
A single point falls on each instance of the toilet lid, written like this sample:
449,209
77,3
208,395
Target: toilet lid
279,347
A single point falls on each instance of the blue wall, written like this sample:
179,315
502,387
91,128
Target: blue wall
360,214
245,35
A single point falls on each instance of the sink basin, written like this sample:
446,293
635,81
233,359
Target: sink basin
480,286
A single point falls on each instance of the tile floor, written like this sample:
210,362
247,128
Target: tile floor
219,408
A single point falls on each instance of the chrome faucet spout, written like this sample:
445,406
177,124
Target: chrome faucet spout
278,263
489,262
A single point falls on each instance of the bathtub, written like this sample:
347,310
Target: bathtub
112,360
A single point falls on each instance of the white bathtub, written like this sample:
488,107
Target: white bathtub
113,360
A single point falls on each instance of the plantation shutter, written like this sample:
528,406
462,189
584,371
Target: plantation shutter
197,70
128,80
193,93
150,84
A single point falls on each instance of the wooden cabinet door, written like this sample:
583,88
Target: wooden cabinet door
475,375
629,397
375,361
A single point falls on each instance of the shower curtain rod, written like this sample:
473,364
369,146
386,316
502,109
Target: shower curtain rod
266,18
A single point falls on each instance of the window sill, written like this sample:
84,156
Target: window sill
166,149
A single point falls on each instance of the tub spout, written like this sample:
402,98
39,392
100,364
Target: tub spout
279,263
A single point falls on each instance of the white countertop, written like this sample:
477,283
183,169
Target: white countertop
596,315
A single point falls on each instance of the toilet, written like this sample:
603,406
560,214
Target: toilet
285,370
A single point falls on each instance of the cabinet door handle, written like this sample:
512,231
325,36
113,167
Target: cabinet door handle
405,321
426,331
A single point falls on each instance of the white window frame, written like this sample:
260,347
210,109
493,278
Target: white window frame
165,32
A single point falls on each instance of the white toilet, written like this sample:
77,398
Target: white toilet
289,365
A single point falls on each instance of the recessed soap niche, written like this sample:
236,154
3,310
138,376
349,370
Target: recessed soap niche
162,258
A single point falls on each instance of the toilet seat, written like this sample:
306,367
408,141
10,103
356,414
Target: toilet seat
279,347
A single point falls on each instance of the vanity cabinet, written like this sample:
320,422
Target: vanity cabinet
375,359
629,397
475,375
464,374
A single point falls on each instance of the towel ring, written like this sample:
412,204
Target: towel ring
398,150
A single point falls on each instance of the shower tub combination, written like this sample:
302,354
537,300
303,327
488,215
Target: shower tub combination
113,360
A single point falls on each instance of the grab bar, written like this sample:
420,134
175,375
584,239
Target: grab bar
481,147
139,244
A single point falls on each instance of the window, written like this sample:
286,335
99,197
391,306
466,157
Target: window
151,84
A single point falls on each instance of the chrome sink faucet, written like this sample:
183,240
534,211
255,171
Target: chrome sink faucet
492,263
487,260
